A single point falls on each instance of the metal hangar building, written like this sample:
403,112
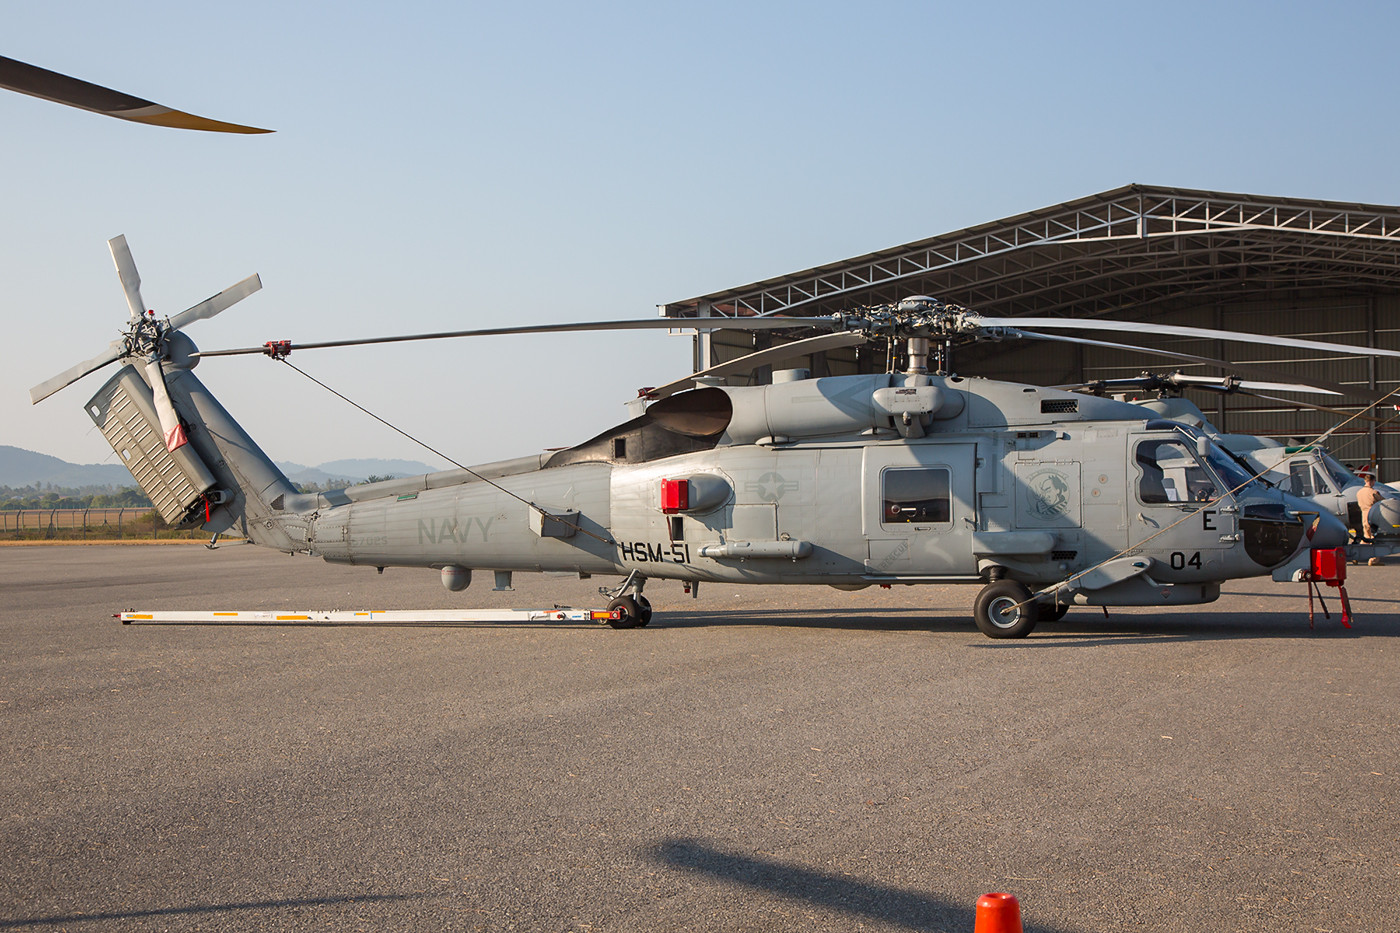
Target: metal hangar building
1324,270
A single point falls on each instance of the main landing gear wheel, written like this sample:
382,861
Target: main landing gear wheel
1053,612
1003,610
636,611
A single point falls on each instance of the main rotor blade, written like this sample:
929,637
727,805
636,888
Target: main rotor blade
62,89
1242,368
1225,385
747,364
1171,330
220,302
1299,403
71,375
1231,384
130,278
700,323
1252,386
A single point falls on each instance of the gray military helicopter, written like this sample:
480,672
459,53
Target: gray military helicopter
1304,470
1044,498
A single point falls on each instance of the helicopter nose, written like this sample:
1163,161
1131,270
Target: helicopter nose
1329,533
1276,529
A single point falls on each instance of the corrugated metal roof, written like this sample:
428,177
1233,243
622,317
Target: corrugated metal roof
1132,246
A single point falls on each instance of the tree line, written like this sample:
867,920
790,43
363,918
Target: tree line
49,496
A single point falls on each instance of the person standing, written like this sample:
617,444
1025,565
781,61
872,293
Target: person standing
1366,497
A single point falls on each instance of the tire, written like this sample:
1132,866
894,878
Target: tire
997,614
1052,612
631,613
644,605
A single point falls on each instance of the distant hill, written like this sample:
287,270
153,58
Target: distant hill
355,471
20,467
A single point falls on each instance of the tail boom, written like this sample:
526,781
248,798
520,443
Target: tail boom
219,480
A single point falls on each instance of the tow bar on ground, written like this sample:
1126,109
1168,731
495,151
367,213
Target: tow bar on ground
558,614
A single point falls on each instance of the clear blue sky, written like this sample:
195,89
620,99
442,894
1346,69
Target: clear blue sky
457,165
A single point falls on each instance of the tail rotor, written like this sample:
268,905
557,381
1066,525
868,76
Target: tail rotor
148,339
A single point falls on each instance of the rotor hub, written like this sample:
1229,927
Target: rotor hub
917,317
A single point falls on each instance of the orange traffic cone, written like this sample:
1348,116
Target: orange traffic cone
998,913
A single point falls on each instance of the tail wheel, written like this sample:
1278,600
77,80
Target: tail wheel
1004,610
632,614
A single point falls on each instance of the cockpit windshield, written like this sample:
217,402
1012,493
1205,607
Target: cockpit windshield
1159,460
1340,474
1228,468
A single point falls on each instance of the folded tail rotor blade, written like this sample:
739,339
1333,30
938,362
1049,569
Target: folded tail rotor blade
71,375
220,302
130,278
170,427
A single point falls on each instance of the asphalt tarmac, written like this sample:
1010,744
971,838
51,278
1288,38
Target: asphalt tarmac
775,758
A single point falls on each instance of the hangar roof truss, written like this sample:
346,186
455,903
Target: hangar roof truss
1134,246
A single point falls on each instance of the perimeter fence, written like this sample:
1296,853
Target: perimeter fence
89,525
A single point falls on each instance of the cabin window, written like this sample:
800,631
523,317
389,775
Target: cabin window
1170,472
1300,479
916,496
1304,480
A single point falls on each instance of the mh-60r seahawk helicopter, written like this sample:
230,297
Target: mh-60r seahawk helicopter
1043,497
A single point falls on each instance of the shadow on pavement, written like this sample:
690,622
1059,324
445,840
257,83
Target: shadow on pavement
197,910
913,910
1086,623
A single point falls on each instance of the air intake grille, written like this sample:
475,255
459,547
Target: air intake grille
1059,406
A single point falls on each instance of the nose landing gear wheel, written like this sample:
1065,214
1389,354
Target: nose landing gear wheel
1003,610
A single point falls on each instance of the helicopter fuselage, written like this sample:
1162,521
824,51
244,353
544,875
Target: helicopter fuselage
1046,497
815,512
993,490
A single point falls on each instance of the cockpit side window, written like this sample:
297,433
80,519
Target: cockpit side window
1305,479
1300,479
1169,472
